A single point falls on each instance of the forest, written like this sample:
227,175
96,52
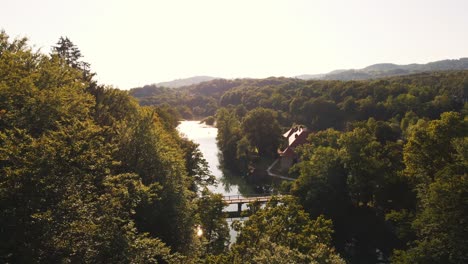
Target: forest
385,162
89,174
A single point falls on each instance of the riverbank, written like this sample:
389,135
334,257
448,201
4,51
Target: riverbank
229,183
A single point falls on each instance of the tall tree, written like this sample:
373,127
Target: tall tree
283,233
261,128
436,159
71,54
213,223
363,157
68,191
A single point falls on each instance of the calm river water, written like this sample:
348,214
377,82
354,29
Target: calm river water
228,184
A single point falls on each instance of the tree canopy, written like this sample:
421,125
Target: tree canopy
87,175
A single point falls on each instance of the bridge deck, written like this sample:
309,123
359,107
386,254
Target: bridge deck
237,199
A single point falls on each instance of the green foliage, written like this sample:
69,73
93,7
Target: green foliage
169,116
229,134
244,140
283,233
357,173
321,186
436,160
378,147
320,104
350,177
86,175
320,114
213,223
69,52
210,120
262,130
363,158
430,146
196,166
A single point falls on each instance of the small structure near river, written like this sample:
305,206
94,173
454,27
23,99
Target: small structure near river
295,137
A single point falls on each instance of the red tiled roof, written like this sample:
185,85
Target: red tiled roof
297,138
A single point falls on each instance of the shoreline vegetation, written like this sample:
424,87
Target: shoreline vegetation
210,120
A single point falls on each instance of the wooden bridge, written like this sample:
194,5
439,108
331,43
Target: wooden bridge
244,199
240,199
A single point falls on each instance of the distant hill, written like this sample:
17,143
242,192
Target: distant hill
389,69
186,82
375,71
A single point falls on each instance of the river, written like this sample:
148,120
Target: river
228,183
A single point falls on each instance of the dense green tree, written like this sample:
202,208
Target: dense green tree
71,54
435,158
243,154
146,149
327,184
430,146
86,175
408,120
320,114
363,158
262,130
59,197
213,223
321,186
169,116
229,133
196,166
440,225
282,229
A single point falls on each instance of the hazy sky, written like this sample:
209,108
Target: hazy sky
135,42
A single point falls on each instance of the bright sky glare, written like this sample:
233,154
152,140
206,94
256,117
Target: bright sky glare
132,43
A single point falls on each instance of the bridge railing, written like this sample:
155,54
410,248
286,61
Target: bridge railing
241,196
